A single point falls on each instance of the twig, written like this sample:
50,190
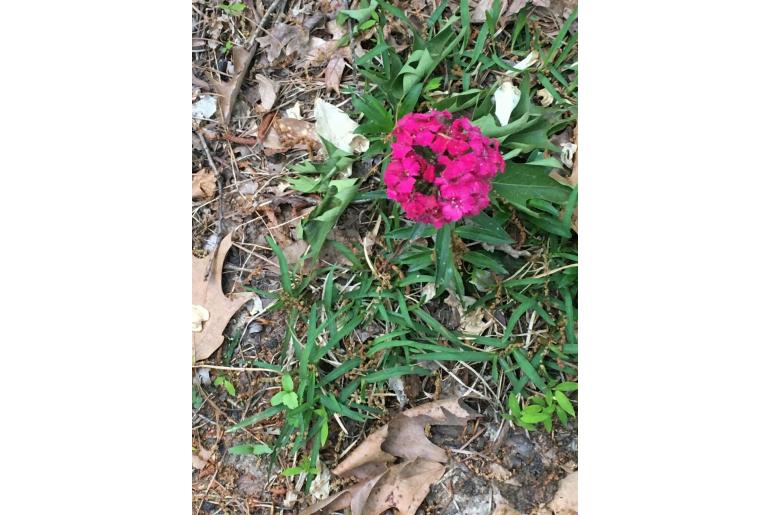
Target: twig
247,62
221,211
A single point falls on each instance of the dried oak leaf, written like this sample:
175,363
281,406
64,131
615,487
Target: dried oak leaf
371,451
207,292
204,185
403,487
289,39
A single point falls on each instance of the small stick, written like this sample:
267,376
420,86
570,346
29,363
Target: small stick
250,57
221,214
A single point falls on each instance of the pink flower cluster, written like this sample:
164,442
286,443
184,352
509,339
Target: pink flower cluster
440,168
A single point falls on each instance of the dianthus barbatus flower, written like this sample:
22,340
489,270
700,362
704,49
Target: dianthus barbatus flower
441,168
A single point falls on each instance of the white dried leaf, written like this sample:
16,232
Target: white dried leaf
397,385
199,315
205,107
508,249
546,98
334,125
204,376
321,487
473,322
290,498
294,111
506,98
527,61
428,292
479,13
256,306
567,153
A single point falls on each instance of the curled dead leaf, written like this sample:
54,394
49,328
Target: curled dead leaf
334,125
268,92
204,185
334,70
229,90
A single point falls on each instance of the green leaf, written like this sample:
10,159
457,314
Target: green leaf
520,183
262,415
292,471
564,402
323,218
489,127
360,15
340,371
403,370
485,229
287,383
277,399
566,386
484,260
291,400
255,449
230,388
445,258
471,356
324,431
282,264
529,370
562,415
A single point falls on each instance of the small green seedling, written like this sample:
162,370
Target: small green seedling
250,448
224,382
542,408
233,9
287,396
304,466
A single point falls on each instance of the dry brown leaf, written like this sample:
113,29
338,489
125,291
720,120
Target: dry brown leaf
200,460
334,71
268,92
566,500
442,412
406,439
229,90
404,486
518,5
478,15
204,185
289,39
288,133
208,293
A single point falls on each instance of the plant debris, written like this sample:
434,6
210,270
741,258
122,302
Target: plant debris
207,293
384,484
